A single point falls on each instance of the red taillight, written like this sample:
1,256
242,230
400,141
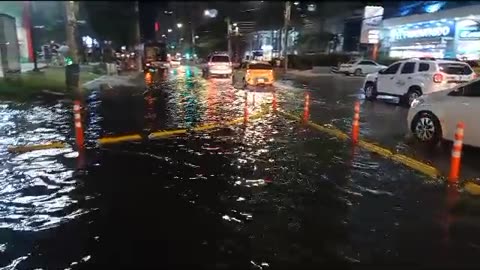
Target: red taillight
437,78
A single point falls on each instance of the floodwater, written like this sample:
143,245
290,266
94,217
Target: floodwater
269,195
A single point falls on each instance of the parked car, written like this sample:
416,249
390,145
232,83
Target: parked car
435,116
359,67
411,78
253,73
218,64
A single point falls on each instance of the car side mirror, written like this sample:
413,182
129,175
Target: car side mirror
381,71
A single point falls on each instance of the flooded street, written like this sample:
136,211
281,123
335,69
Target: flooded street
273,194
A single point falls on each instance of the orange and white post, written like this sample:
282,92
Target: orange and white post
456,154
274,102
356,122
245,109
78,125
306,108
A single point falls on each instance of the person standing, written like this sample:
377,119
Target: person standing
108,58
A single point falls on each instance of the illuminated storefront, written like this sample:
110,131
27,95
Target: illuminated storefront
443,34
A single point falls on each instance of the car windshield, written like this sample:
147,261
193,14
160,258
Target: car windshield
259,66
455,69
220,58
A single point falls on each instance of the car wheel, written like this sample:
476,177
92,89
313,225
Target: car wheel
370,91
412,94
358,72
426,128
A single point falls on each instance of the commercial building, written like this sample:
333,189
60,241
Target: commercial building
19,10
440,31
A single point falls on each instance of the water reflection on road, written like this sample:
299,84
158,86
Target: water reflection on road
271,195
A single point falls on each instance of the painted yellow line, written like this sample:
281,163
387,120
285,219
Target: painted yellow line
407,161
28,148
126,138
417,165
166,133
472,188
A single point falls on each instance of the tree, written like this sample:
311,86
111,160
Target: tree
112,20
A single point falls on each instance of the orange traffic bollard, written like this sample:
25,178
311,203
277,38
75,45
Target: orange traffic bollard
274,102
78,125
456,154
355,123
306,108
245,110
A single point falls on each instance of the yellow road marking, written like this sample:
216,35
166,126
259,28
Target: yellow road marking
117,139
407,161
27,148
167,133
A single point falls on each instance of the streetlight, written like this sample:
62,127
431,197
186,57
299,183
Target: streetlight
169,30
196,37
164,36
179,25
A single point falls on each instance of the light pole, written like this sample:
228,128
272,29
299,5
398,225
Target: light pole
285,30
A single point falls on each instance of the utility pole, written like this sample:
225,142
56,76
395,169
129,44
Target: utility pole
229,31
285,31
72,68
33,35
137,38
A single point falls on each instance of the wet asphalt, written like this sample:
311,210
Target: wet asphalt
269,195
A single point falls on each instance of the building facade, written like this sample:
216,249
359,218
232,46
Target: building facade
19,10
434,29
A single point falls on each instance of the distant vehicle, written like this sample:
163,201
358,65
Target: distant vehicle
253,73
434,116
155,56
359,67
175,62
218,64
411,78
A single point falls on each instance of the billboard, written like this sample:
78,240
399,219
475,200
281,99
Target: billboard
372,20
423,30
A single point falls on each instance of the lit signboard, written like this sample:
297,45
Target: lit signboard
423,31
372,20
469,34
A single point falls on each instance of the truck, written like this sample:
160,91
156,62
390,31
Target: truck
9,48
155,56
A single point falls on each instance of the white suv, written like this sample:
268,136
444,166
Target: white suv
218,64
409,79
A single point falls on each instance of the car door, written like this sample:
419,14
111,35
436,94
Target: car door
404,79
464,107
386,79
368,67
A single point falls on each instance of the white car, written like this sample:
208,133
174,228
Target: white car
435,116
218,65
409,79
359,67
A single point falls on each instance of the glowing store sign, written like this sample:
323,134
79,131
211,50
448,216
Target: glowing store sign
469,34
408,33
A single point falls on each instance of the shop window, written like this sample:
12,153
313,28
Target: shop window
423,67
408,68
392,69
